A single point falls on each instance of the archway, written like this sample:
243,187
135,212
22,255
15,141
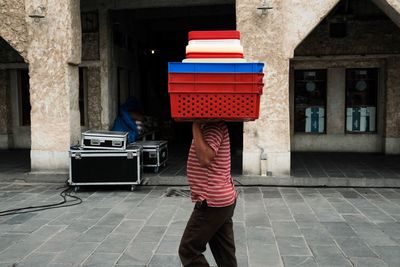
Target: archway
344,88
14,109
341,73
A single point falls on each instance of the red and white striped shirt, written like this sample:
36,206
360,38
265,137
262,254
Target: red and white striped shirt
213,183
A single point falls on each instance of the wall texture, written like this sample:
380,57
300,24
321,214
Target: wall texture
53,58
384,35
13,25
94,98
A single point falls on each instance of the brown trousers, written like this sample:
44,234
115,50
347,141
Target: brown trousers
209,225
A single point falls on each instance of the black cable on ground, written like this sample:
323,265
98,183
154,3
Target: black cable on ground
236,181
64,194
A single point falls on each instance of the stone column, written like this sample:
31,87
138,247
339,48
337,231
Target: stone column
336,106
262,40
4,109
105,69
54,52
392,131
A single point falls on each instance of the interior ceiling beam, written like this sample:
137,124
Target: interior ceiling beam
177,26
155,14
138,4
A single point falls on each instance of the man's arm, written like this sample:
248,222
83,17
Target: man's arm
205,154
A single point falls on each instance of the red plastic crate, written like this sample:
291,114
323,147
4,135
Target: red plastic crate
186,77
213,55
204,35
207,87
230,107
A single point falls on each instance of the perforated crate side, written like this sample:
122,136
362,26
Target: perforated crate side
219,106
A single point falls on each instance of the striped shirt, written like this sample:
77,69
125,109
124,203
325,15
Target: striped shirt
213,183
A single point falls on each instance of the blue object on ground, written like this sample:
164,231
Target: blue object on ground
124,122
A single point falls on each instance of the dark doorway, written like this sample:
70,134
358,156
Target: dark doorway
152,37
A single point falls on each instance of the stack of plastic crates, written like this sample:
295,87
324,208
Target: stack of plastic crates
215,84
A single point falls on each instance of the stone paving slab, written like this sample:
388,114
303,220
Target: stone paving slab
274,226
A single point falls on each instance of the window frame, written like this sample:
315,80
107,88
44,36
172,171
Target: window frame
325,72
378,75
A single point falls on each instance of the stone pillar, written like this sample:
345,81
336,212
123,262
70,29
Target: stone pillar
54,52
392,131
262,40
336,106
105,69
4,109
94,98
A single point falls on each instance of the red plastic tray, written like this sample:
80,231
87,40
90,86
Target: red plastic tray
214,55
231,107
204,35
215,87
177,77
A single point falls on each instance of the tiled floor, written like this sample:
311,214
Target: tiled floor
17,160
352,165
273,226
308,169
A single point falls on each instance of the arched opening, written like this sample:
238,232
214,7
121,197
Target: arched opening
141,40
14,109
341,78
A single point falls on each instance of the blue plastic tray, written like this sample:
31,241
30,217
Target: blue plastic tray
215,67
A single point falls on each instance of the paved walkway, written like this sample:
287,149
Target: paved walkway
273,227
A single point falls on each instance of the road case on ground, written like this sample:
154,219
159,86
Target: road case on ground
155,153
105,167
94,139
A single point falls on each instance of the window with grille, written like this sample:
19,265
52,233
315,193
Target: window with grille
310,101
361,100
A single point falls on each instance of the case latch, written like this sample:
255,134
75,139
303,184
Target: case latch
95,142
116,143
78,155
130,155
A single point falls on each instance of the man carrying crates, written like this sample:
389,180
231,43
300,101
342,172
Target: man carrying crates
214,84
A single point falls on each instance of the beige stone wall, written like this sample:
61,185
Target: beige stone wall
384,35
272,39
94,98
13,25
53,57
261,37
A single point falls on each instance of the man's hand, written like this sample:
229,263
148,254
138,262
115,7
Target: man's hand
205,154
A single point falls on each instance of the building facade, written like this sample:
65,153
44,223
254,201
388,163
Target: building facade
332,75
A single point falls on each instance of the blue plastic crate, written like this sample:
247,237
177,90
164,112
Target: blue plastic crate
215,67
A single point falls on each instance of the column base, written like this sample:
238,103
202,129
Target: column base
278,163
4,141
392,145
49,161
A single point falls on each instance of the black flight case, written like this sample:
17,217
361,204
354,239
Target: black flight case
105,167
155,153
98,139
